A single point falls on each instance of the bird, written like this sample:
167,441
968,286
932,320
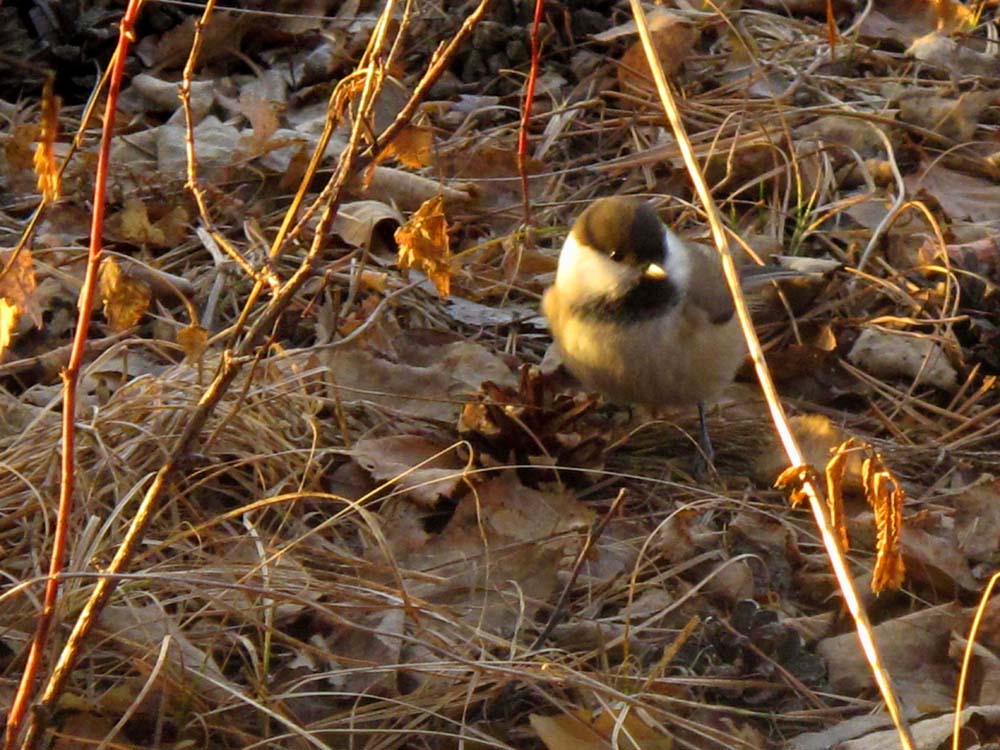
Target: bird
641,316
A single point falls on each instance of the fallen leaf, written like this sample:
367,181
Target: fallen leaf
414,146
424,244
357,222
962,196
581,730
905,20
914,650
8,319
896,355
673,39
977,518
125,299
960,61
18,286
193,340
263,116
425,470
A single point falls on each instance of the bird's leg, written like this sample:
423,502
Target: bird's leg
706,458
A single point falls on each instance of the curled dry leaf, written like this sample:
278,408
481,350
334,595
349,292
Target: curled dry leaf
125,299
885,496
407,190
46,166
356,223
424,244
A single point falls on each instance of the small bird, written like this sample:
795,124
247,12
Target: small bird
641,316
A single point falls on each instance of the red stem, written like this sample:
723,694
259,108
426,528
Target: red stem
529,96
70,376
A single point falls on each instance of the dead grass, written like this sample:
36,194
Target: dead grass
282,597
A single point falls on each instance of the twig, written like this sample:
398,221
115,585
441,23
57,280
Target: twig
70,376
592,537
529,97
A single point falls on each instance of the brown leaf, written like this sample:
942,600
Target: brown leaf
424,469
132,224
962,196
424,244
125,299
193,340
17,288
414,146
46,166
8,319
914,650
898,355
905,20
673,40
263,116
581,730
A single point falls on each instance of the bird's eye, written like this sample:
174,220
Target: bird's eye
616,256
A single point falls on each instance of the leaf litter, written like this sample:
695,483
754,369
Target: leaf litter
386,509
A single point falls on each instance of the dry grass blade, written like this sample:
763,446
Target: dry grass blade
810,488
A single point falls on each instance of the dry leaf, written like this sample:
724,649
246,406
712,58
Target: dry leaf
954,118
977,518
193,339
673,40
414,146
892,355
357,222
85,731
914,650
425,470
580,730
17,287
125,299
885,496
905,20
962,196
817,436
424,244
134,226
263,116
8,319
960,61
46,166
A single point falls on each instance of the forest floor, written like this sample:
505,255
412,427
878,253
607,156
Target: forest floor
385,518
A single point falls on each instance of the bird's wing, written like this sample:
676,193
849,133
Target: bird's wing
708,289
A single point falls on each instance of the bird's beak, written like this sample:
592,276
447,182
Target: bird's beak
654,271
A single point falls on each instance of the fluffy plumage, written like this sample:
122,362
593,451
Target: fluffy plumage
638,314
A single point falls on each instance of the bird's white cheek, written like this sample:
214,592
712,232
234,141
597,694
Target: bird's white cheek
583,272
